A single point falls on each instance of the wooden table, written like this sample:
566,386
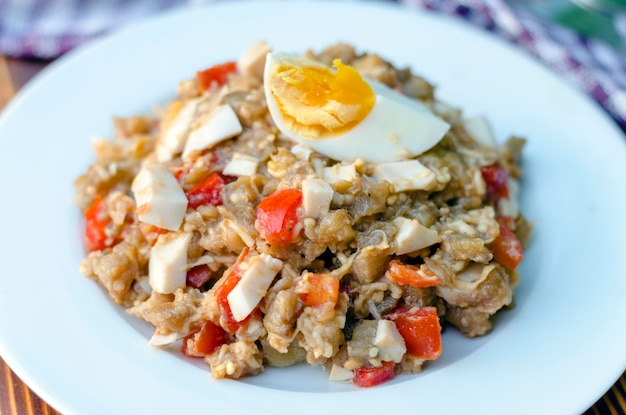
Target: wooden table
17,399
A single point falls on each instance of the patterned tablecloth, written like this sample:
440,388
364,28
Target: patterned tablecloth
48,28
45,29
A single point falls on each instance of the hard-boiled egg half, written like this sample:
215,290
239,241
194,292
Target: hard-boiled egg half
340,114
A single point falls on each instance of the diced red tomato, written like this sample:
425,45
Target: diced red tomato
218,74
205,341
197,276
277,216
497,182
208,191
421,331
180,173
366,377
184,348
221,293
507,249
231,278
96,223
318,289
406,274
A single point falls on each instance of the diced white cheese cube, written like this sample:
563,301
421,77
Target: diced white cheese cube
405,175
221,125
301,151
510,207
172,139
413,236
389,341
167,267
241,165
252,287
340,374
339,172
480,130
316,197
252,61
158,339
160,199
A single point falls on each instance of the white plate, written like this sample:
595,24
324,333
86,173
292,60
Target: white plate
558,351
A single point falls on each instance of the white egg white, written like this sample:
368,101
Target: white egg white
397,128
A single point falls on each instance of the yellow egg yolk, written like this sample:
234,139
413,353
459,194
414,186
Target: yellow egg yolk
316,101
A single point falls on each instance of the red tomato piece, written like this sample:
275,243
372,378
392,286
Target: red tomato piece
318,289
229,280
221,293
180,173
218,74
208,191
96,222
366,377
277,216
205,341
184,348
497,182
197,276
210,338
421,331
507,249
406,274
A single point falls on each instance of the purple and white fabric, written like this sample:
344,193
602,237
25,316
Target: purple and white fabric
45,29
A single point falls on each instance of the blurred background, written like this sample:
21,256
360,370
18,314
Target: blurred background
47,28
601,19
582,40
